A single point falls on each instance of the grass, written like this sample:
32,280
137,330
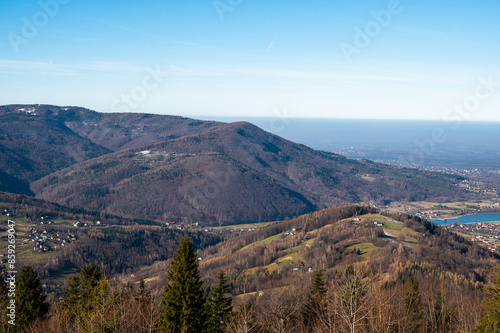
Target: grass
392,224
245,226
289,260
386,221
392,227
365,248
407,234
242,298
368,178
313,233
466,236
259,243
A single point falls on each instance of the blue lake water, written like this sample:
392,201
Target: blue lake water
493,217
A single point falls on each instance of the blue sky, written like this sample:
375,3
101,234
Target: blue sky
419,60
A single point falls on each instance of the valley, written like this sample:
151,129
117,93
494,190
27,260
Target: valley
174,169
119,191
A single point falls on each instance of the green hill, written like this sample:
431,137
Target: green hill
387,244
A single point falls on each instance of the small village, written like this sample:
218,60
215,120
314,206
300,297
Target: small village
42,233
485,234
46,241
153,156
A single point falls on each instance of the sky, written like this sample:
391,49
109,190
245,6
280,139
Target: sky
408,59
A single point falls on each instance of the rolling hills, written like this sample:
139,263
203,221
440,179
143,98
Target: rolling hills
178,169
36,140
58,240
389,246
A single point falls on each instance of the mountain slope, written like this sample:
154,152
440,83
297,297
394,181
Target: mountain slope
32,145
234,173
390,245
114,131
49,240
36,140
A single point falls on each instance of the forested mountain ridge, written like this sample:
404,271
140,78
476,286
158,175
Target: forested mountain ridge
385,243
173,168
114,131
233,173
36,140
59,240
346,269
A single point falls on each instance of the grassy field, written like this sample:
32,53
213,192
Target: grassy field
243,298
247,226
288,261
292,258
391,227
365,248
259,243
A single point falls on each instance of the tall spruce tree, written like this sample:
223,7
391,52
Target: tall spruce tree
314,305
219,307
182,303
80,288
440,316
79,299
30,301
318,289
413,305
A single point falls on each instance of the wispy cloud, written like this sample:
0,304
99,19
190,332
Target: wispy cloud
418,30
272,43
238,73
84,39
44,67
271,73
162,38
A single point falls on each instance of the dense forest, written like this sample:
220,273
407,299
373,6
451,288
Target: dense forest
167,168
119,245
353,298
335,270
264,259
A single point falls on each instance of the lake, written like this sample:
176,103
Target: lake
492,217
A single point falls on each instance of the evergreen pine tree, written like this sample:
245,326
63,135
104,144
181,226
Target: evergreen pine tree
182,303
313,305
440,316
80,288
413,305
30,301
90,276
220,306
142,287
318,289
79,298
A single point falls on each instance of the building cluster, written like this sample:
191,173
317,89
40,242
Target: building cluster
47,240
485,234
149,156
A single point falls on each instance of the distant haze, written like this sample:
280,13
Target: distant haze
384,59
470,145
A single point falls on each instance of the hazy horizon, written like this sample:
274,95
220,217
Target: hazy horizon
365,60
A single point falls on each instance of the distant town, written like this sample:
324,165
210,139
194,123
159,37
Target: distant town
485,234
